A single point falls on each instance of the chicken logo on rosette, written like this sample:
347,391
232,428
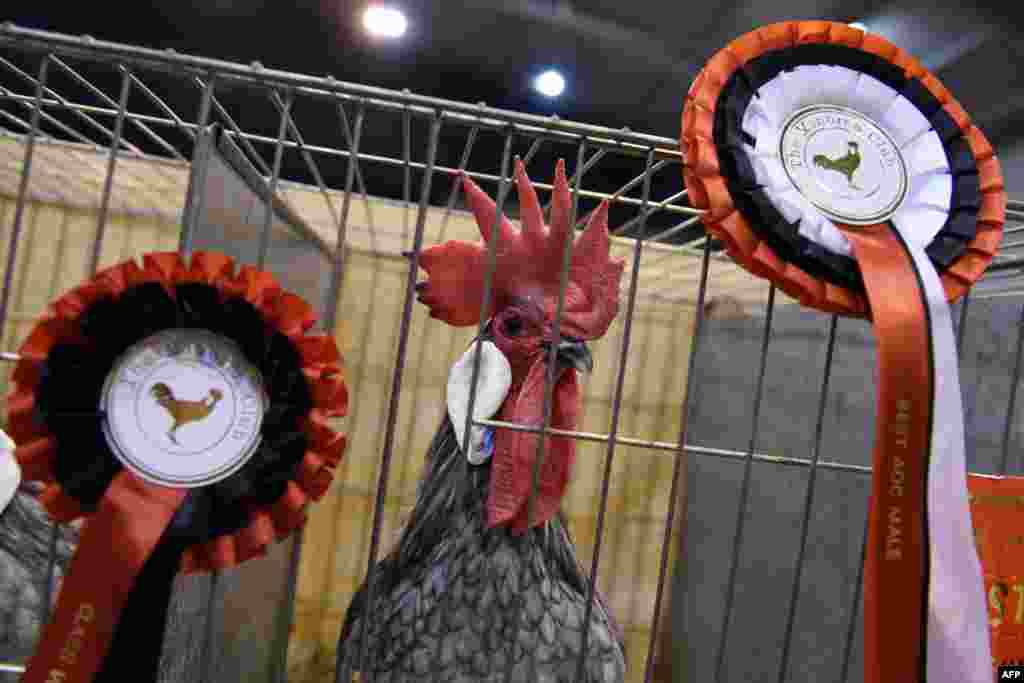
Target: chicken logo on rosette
844,164
518,338
184,408
184,412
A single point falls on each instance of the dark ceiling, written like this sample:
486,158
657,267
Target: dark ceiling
627,62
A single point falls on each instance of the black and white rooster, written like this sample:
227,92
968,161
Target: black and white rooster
473,588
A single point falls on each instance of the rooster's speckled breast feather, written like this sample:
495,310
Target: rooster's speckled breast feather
446,548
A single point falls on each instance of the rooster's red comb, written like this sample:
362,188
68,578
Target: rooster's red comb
529,263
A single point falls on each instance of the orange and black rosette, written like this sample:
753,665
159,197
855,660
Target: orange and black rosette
733,126
140,529
832,163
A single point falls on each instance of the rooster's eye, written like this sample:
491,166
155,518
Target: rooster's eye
513,326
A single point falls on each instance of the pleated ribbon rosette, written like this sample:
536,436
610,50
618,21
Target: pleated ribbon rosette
239,331
832,163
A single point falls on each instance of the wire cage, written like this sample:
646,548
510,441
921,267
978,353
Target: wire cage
720,492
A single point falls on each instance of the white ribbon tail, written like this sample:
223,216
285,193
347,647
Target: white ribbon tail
958,648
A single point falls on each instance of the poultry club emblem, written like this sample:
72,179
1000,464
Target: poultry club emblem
184,412
183,408
844,164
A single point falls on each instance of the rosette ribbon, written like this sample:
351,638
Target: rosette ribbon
832,163
137,535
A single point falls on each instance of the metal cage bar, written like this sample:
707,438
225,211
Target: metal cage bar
108,181
549,380
396,382
667,205
275,176
805,518
485,314
59,102
1011,407
613,429
748,468
5,295
677,469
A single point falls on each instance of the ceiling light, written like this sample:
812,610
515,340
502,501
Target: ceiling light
384,22
550,84
858,25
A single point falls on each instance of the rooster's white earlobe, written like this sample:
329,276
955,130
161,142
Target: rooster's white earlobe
492,387
10,472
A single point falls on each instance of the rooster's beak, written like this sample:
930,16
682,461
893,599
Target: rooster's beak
574,354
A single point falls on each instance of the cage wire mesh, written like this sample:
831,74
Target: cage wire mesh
720,489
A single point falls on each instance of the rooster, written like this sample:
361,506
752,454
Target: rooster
472,583
847,165
184,412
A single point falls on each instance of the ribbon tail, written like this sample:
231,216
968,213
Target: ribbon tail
958,645
112,558
137,645
924,610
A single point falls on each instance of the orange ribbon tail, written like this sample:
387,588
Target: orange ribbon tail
115,543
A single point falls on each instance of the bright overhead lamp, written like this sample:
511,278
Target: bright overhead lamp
550,83
384,22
